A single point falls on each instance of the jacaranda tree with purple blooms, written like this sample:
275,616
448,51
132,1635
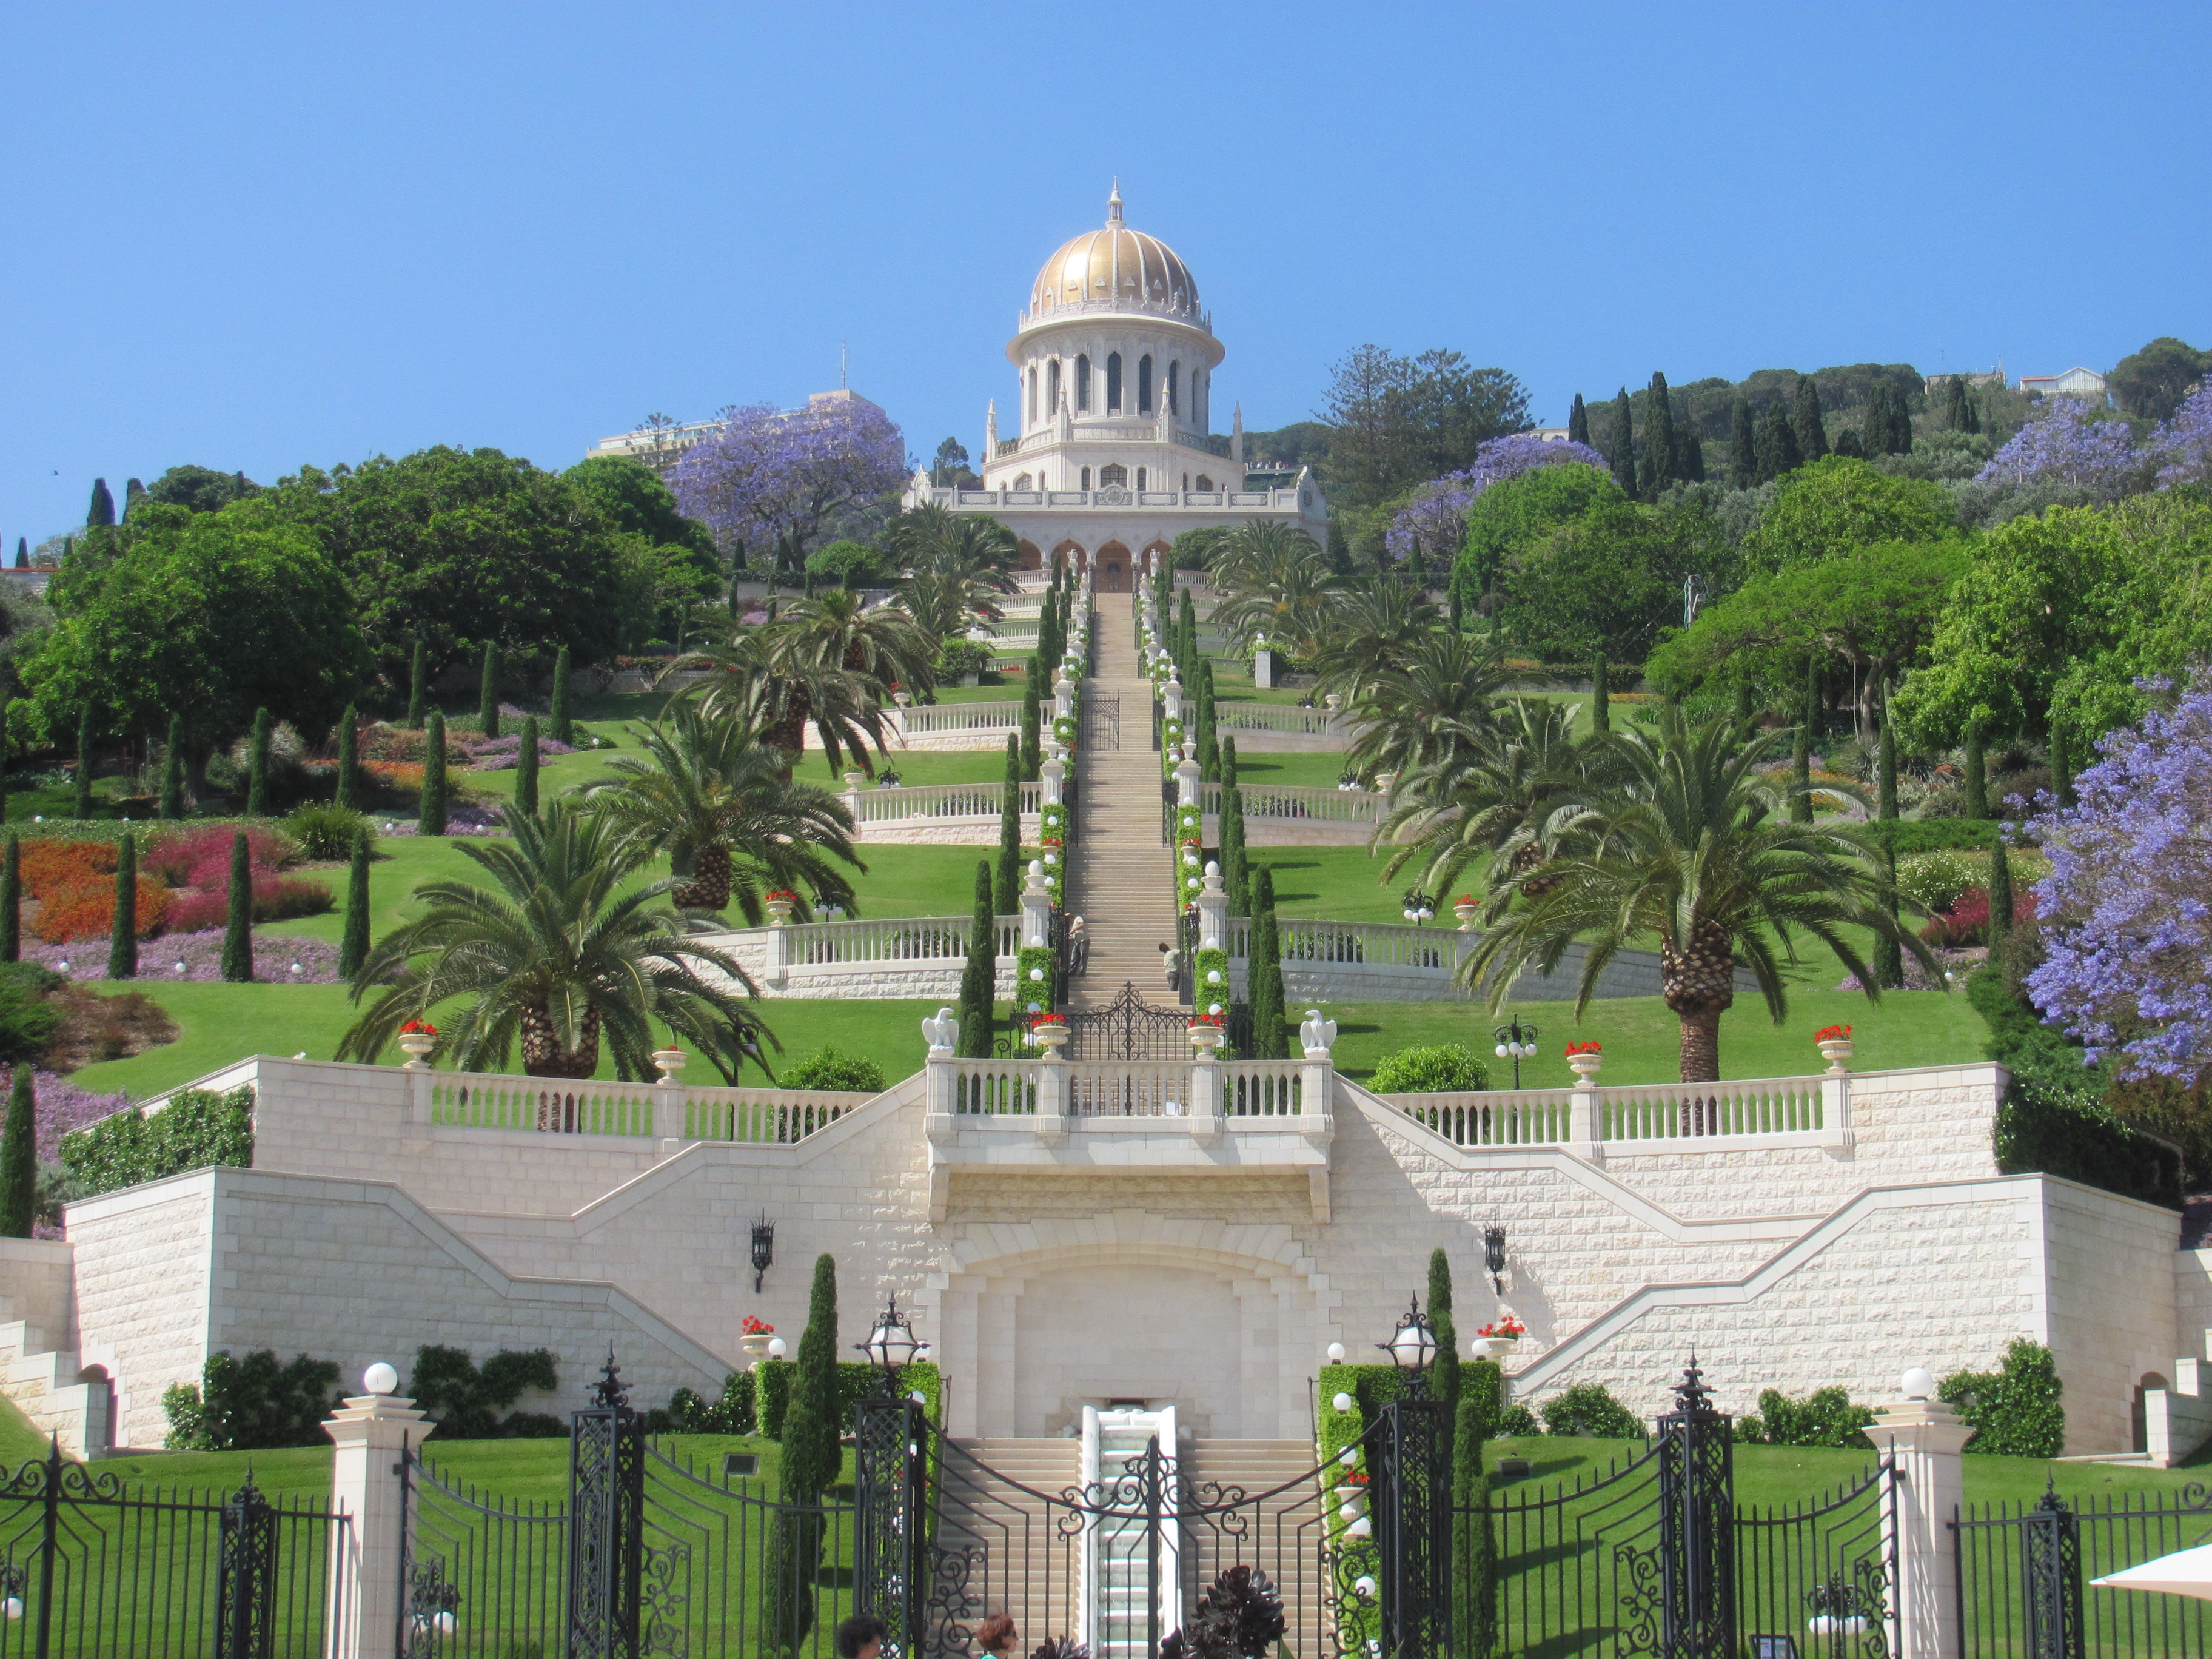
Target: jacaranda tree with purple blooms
1433,523
2064,444
773,478
2183,445
2127,907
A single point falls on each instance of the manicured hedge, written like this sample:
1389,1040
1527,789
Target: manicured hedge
1904,835
197,1129
738,1410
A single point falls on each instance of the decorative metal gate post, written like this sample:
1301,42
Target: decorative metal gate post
606,1503
887,1538
2050,1578
1697,1526
1412,1527
245,1602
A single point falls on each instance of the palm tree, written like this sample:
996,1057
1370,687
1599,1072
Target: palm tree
555,952
1691,848
1495,802
881,649
777,698
1376,627
710,794
1275,580
965,545
1437,700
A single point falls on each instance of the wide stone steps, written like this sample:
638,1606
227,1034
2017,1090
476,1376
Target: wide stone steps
42,1380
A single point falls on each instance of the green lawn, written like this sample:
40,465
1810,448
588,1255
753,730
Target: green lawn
1341,884
1317,770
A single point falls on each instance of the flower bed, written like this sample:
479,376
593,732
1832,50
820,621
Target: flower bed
88,913
200,953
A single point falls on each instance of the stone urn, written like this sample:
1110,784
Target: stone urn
416,1046
902,699
1466,910
1585,1066
1837,1051
780,911
1498,1349
1206,1039
1051,1037
755,1343
670,1063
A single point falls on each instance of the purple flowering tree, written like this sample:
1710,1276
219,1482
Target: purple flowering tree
2128,904
1434,523
773,477
2064,445
2182,447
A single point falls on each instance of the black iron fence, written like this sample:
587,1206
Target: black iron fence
92,1566
2025,1573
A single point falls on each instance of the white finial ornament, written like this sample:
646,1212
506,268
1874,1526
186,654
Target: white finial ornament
1113,205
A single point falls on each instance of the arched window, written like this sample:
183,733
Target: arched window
1051,388
1144,384
1086,478
1175,374
1021,480
1141,478
1112,475
1082,384
1113,383
1033,402
1204,483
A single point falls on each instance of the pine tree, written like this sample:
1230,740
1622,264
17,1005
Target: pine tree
1264,978
19,1159
1578,422
22,553
83,805
172,770
489,710
564,727
11,902
1801,750
1978,776
1658,468
1601,696
1743,449
979,978
1235,866
349,796
1008,894
526,767
123,930
1621,444
102,511
238,924
134,497
431,815
1776,444
257,767
1033,720
1806,424
352,945
1689,453
418,685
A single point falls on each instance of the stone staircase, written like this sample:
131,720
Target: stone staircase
44,1382
1280,1532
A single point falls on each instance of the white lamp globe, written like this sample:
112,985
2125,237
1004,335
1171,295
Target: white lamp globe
380,1378
777,1347
1343,1403
1502,1051
1336,1353
1917,1383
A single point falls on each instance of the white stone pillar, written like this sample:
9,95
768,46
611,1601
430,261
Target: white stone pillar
370,1431
1205,1088
1585,1121
1924,1438
1185,775
1836,1105
1037,914
1212,927
1051,1098
1263,668
1335,707
853,778
939,1082
1063,696
1171,697
1050,775
777,975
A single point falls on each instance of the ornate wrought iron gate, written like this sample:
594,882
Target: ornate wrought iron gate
1128,1028
1101,720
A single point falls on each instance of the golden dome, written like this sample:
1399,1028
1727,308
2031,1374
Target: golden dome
1115,268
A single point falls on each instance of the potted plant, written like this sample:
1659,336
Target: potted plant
417,1038
754,1336
1584,1058
1207,1032
1499,1339
780,905
1464,908
1050,1033
1835,1042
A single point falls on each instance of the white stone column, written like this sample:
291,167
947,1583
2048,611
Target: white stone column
1836,1105
1050,775
940,1083
1185,775
1585,1121
1171,697
1063,695
1205,1088
1037,914
1263,667
1213,925
1051,1098
1924,1438
370,1432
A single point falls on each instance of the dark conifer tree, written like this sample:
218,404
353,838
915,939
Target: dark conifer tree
489,711
1743,451
19,1159
238,922
1689,453
431,815
526,767
1264,989
1978,776
1578,422
134,494
123,930
1621,444
82,807
1801,750
1658,468
564,726
979,976
11,902
1008,894
352,945
1805,421
1776,444
1234,865
172,770
22,553
1888,954
2000,902
1033,719
348,794
1601,695
102,511
257,767
1848,442
418,685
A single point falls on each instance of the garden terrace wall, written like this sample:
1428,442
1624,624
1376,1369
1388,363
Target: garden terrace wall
900,957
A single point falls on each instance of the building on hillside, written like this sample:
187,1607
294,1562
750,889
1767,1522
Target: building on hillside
661,444
2077,382
1111,454
1933,384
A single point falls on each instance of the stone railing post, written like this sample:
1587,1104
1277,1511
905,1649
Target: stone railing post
940,1079
1334,704
1171,697
1836,1100
853,778
1585,1114
668,1102
371,1431
418,1094
1921,1438
1049,777
1213,918
1186,775
1036,911
1206,1086
1063,696
1263,665
1051,1098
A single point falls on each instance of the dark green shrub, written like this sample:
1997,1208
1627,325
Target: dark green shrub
250,1404
1517,1423
1589,1409
830,1068
197,1129
466,1399
731,1414
1435,1069
1903,836
325,831
775,1395
1824,1417
2014,1411
28,1020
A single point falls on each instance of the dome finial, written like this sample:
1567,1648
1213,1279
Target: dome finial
1113,205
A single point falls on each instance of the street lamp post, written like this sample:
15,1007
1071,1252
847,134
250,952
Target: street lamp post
1418,907
888,1535
1412,1500
1516,1041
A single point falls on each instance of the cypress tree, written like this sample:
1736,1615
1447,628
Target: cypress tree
134,494
172,770
349,795
1848,442
1475,1554
1622,441
19,1159
83,805
102,511
1888,955
1978,776
1033,719
22,553
526,767
1264,987
1776,444
1954,404
1743,451
564,727
257,767
123,931
1008,894
1235,866
1209,742
1801,750
1447,1334
2000,901
1689,454
352,945
2061,763
11,902
488,712
811,1460
1578,422
238,925
1186,640
1658,468
431,815
1970,417
1885,768
1805,422
418,685
1458,608
979,978
1601,695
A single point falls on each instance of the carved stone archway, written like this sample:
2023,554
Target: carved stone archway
1111,564
1070,552
1028,555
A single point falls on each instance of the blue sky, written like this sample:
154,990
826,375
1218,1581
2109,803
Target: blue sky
255,237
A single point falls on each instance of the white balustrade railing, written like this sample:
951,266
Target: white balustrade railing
1369,944
962,717
1501,1118
1267,801
469,1100
1128,1088
938,800
1263,1088
1272,717
995,1088
1098,1089
892,938
1755,1106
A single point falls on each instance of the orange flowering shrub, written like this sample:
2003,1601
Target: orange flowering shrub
54,867
89,912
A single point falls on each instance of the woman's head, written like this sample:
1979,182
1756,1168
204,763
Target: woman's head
995,1634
